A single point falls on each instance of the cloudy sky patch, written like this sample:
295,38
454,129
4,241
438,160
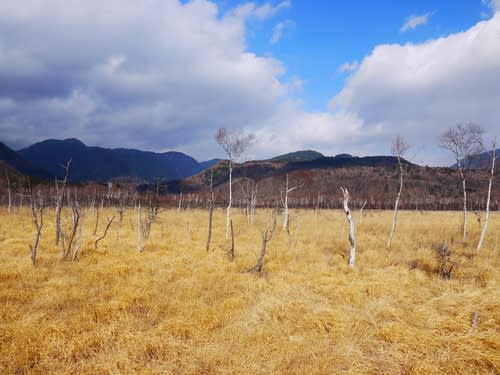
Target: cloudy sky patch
164,75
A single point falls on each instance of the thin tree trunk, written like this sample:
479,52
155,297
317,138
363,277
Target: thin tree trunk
210,212
228,215
465,209
9,204
487,214
352,239
396,205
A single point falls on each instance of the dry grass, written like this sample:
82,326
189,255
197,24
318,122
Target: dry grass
176,309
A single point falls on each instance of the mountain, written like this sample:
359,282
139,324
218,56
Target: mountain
16,164
90,163
482,160
273,169
306,155
373,179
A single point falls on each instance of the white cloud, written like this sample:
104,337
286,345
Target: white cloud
249,10
348,67
165,75
155,76
419,90
493,4
279,29
412,22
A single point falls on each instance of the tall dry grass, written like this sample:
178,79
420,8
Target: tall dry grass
176,309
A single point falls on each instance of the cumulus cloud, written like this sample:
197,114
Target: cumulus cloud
412,22
419,90
166,74
115,74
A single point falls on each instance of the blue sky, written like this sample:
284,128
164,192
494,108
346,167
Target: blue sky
336,77
320,36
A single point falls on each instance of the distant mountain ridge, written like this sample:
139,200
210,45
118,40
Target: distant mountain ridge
482,160
17,164
97,164
306,155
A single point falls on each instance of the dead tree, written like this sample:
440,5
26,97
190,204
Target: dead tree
493,159
352,239
71,233
211,201
465,143
267,235
110,221
9,196
234,145
398,149
60,193
249,189
37,202
180,202
284,201
144,225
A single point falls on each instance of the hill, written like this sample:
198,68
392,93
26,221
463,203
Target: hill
373,180
17,165
306,155
99,164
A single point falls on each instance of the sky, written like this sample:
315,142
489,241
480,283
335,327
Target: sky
331,76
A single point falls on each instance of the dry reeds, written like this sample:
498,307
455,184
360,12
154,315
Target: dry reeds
176,309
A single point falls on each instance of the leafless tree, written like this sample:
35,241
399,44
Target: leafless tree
465,143
211,200
493,158
249,189
110,221
267,235
144,225
9,195
37,202
234,145
71,233
60,193
352,239
286,189
398,149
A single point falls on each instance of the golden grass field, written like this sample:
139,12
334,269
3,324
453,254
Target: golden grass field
177,309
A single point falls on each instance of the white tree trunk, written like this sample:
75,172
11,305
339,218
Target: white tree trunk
9,192
465,209
352,239
285,205
487,214
396,205
228,213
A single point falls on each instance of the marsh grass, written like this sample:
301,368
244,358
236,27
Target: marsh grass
177,309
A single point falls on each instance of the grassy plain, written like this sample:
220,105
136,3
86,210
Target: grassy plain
177,309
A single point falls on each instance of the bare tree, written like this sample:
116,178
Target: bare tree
37,206
110,221
60,193
493,156
352,239
144,224
9,203
249,189
211,200
284,200
465,143
267,235
71,235
234,145
398,149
